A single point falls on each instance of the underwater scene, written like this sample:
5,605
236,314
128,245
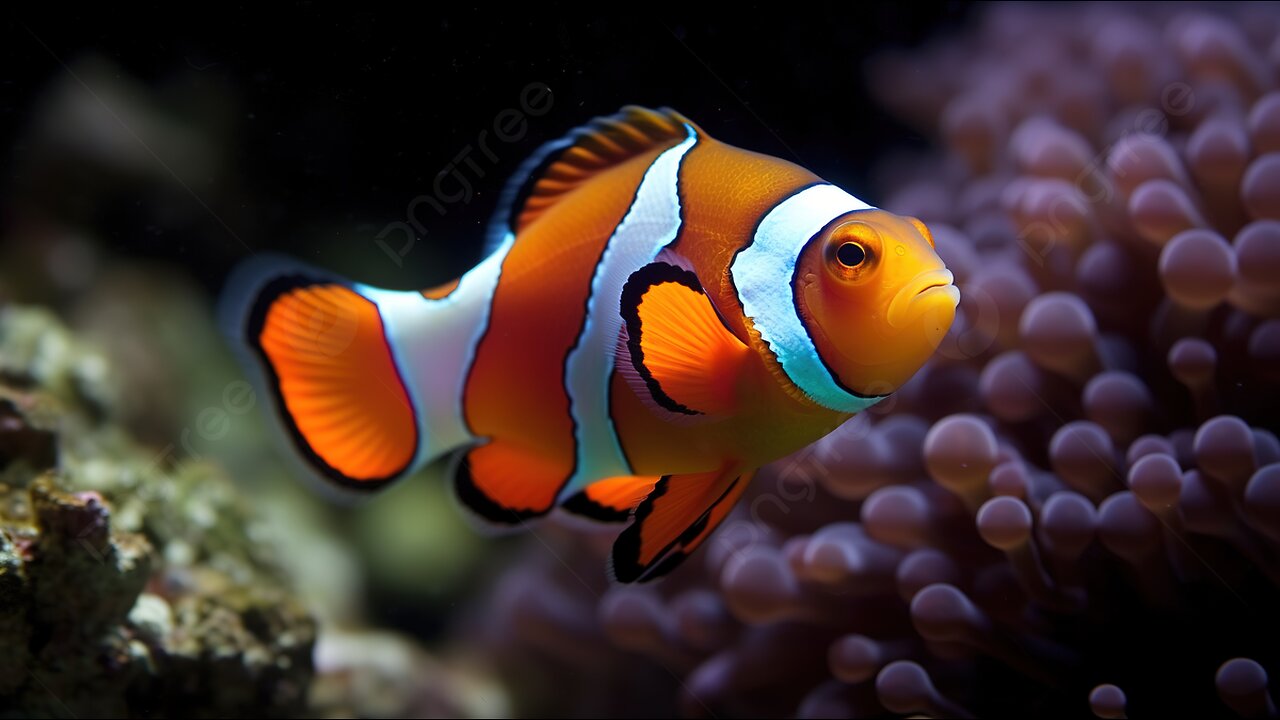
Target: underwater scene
905,360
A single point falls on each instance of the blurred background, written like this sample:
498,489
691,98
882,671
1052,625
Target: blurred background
1104,181
145,161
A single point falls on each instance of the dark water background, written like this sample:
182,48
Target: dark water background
336,120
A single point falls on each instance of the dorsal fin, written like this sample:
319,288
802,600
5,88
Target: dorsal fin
561,166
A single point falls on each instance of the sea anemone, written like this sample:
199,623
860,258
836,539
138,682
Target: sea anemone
1075,505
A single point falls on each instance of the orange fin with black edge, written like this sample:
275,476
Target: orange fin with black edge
326,357
506,485
559,167
675,350
612,499
677,517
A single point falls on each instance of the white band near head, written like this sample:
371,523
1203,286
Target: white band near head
762,274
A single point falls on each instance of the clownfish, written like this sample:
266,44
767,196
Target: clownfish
659,314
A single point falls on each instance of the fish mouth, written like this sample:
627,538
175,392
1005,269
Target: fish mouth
932,285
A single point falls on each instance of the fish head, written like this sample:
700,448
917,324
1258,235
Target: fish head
875,298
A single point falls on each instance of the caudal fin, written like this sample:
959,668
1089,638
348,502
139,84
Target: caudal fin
320,349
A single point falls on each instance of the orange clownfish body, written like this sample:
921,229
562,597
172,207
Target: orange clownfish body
660,315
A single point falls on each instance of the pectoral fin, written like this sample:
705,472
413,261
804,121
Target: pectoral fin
675,351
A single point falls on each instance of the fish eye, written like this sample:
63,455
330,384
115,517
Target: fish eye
851,254
852,251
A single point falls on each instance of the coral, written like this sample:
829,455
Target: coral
1073,507
128,586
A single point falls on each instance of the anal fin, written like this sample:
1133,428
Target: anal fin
677,517
612,499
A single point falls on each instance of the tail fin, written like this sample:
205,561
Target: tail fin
321,348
